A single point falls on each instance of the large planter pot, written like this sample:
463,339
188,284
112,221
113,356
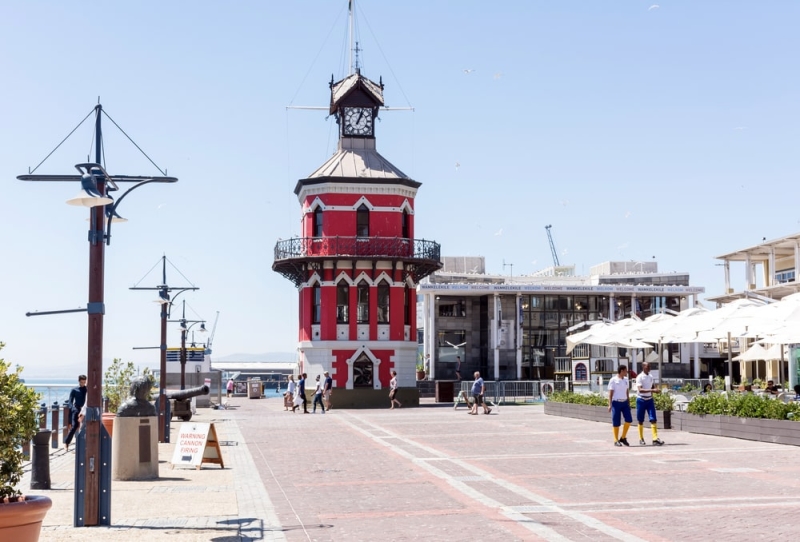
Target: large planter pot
108,422
598,414
420,375
22,521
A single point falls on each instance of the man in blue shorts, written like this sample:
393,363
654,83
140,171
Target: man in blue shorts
645,388
619,405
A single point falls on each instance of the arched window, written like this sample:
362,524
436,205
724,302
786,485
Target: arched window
342,302
405,226
580,372
316,226
383,302
362,221
316,304
362,309
363,369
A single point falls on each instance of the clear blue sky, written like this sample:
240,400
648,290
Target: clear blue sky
635,131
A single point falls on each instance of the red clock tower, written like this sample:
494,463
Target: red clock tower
357,263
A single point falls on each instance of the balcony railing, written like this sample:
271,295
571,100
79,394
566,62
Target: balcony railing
294,256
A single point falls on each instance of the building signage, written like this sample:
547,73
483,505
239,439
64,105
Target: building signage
535,288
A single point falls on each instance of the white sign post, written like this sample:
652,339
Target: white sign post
197,444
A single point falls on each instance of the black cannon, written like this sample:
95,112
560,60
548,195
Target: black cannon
181,401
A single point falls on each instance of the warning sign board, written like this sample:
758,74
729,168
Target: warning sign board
197,444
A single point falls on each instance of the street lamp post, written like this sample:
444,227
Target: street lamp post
166,305
184,331
93,447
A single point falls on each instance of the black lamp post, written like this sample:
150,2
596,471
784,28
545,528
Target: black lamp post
186,325
93,447
166,305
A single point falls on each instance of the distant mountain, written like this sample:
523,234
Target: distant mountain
276,357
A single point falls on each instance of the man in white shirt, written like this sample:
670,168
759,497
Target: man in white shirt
645,388
619,405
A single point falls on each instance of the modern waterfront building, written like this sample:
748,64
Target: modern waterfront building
770,270
512,328
357,262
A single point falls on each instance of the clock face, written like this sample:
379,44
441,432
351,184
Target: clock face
358,121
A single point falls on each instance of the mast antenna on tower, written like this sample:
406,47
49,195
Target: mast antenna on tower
351,32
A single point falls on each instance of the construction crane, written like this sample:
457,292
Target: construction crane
211,336
552,247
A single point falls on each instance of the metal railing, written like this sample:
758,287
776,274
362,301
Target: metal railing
387,247
296,258
517,391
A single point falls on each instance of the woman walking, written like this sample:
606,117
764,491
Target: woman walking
288,397
393,391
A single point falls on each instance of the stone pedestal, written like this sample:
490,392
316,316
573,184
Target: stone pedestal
134,449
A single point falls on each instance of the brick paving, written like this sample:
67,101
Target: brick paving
435,473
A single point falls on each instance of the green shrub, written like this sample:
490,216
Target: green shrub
744,406
19,422
591,399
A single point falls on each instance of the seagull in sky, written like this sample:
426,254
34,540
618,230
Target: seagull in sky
499,232
564,252
457,166
498,75
565,202
160,206
469,71
627,214
654,6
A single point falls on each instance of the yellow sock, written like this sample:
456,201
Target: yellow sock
654,430
625,429
641,432
616,434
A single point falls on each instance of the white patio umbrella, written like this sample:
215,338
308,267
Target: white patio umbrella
714,325
754,353
607,335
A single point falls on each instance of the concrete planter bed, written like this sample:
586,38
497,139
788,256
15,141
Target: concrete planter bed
599,414
758,429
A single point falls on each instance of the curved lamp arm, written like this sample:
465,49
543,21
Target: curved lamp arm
113,209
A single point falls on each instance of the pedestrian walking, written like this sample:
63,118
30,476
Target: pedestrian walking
229,387
288,397
478,391
458,367
318,397
76,401
645,388
619,405
301,390
327,389
393,391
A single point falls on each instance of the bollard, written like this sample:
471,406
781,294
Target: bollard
66,420
43,416
105,404
54,424
40,463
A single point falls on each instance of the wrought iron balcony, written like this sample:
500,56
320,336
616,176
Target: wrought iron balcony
294,257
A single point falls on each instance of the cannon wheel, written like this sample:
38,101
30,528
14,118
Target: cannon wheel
187,417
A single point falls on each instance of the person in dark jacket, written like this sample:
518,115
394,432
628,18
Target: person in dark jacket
301,390
77,398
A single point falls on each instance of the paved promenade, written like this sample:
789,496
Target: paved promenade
434,473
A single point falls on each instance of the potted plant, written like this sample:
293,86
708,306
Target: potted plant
420,371
20,515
